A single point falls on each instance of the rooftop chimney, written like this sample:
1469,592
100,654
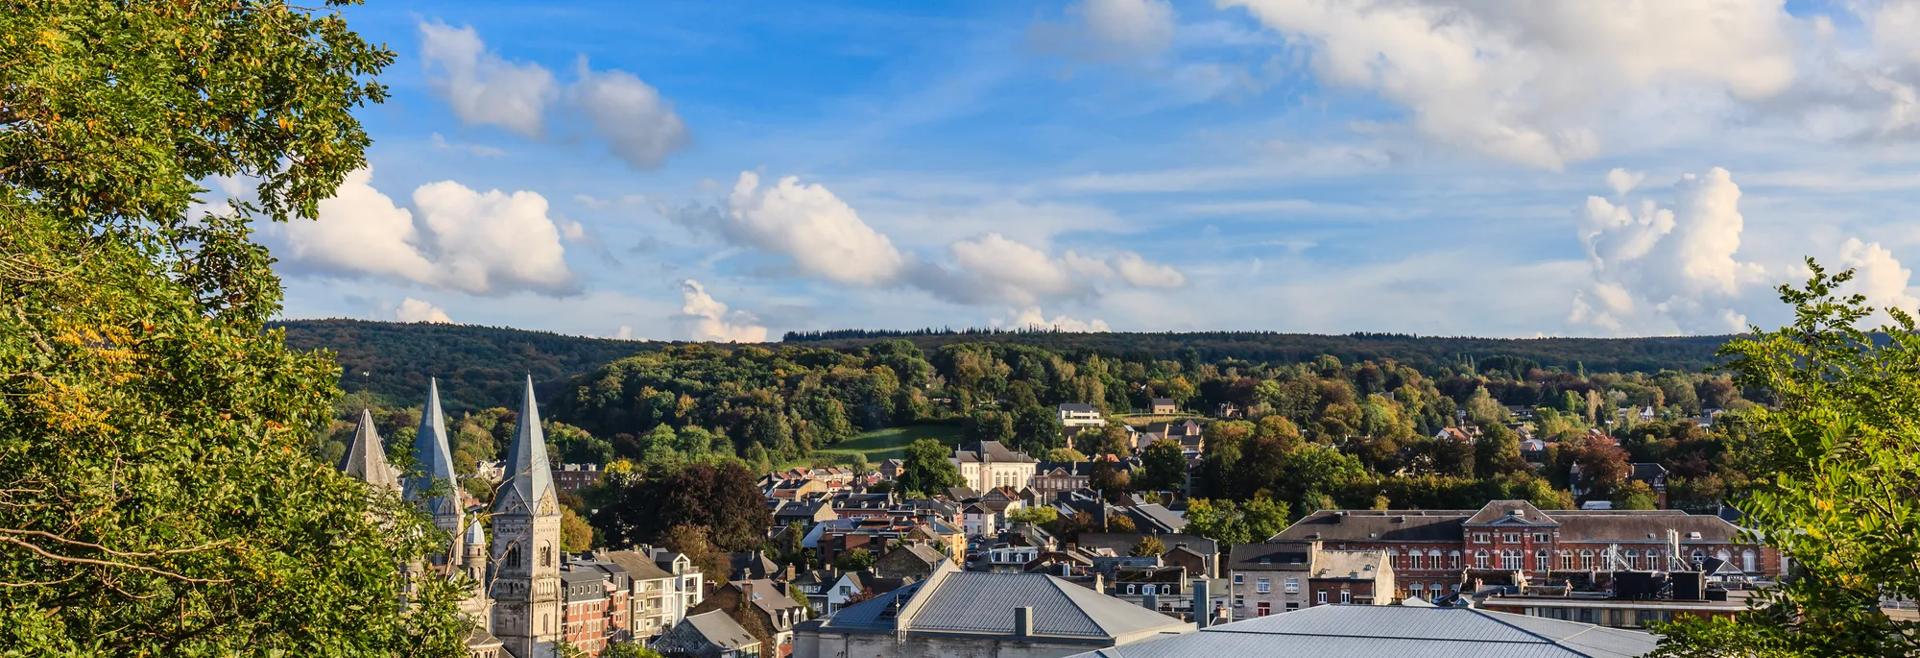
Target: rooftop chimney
1202,604
1023,621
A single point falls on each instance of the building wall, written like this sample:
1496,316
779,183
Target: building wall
1247,597
872,645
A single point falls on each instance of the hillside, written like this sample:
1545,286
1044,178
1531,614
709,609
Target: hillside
478,366
1690,353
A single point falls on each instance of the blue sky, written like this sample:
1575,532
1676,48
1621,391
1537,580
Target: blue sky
730,171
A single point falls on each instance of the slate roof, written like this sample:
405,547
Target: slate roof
433,458
1156,516
1355,631
953,601
1286,556
366,456
720,630
1643,526
1077,407
529,475
1510,511
1370,525
638,566
1121,542
990,451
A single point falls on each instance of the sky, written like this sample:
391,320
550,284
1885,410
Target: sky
732,171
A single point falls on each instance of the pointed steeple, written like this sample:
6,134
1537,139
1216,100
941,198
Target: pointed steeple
529,475
366,456
432,459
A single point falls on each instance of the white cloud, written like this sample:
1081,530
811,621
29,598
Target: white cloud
1623,181
704,318
1015,271
441,143
1140,272
639,125
821,234
360,232
1136,26
625,332
482,87
1879,277
1032,317
474,242
415,310
1658,270
1530,82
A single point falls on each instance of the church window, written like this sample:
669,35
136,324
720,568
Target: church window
513,556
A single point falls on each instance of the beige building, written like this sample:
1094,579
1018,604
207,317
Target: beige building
990,465
1277,577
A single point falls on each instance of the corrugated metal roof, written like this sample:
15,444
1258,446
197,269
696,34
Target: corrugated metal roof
1342,631
979,602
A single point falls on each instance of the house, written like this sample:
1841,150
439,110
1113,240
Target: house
1188,433
1268,578
1200,555
586,609
1355,631
571,478
763,608
1074,415
890,469
989,464
1455,434
708,635
1153,518
1429,548
1162,407
1228,410
802,513
1351,577
748,565
1051,478
987,615
909,561
656,600
1655,477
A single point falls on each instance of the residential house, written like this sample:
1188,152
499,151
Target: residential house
1199,555
1269,578
711,634
804,513
986,615
586,609
571,478
989,464
1351,577
1188,433
653,597
1162,407
1074,415
761,606
1051,478
909,561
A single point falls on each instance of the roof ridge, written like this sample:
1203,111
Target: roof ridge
1553,641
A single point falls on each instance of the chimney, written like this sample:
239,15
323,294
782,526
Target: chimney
1202,604
1023,621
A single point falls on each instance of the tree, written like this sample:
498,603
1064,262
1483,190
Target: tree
630,650
858,559
1636,495
1148,546
1037,429
156,492
927,470
721,498
1039,515
576,535
1166,466
1065,455
691,540
1114,440
990,426
1836,483
1111,479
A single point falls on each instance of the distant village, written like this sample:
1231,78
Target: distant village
973,570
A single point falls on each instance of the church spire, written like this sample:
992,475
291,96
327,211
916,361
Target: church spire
366,456
529,475
433,484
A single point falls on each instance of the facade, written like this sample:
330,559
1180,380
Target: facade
1429,549
1277,577
1162,407
763,607
1075,415
989,464
708,635
571,478
987,615
585,610
525,583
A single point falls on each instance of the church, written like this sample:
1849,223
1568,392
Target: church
515,605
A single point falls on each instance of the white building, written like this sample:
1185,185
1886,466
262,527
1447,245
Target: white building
988,465
1080,414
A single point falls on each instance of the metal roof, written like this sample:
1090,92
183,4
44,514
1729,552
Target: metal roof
955,601
1343,631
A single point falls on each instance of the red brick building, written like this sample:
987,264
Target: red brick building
594,604
1429,549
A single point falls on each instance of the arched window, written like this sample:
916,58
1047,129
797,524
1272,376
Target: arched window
1510,560
1453,559
546,554
1480,559
1699,557
513,556
1416,589
1413,559
1540,561
1748,562
1586,560
1723,555
1566,560
1631,556
1149,590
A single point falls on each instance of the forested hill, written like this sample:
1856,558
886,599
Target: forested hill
1690,353
478,367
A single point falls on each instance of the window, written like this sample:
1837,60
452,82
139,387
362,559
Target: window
1320,597
1239,601
1510,560
1540,561
1293,605
1147,590
1416,589
1479,559
1293,585
1239,579
1263,586
1566,560
1512,538
1631,557
1433,556
1453,559
1346,596
1480,537
513,556
1131,590
546,555
1413,560
1263,609
1748,561
1540,537
1699,557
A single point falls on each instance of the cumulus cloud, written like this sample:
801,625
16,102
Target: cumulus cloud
1032,317
482,87
415,310
638,125
821,234
704,318
1879,277
489,242
1527,82
1658,269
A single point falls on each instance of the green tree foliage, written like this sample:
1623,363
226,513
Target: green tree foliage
575,534
1237,523
721,499
1038,515
1836,484
1037,429
1111,479
630,650
1165,465
692,541
157,496
858,559
1065,455
926,470
1148,546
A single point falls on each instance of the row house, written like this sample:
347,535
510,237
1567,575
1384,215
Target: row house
573,478
1430,548
593,606
763,607
663,586
1276,577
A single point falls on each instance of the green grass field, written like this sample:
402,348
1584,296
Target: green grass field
880,445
